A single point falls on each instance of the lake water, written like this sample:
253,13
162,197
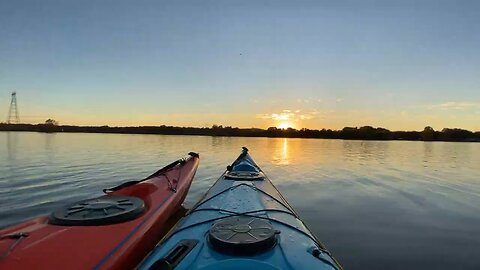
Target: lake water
374,204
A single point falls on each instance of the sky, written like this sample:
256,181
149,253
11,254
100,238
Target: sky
400,64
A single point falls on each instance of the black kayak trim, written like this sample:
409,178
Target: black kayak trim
155,174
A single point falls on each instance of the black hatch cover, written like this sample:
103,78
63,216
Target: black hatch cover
242,235
99,211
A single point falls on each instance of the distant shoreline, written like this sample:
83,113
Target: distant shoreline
347,133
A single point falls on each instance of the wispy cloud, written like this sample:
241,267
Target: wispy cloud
306,100
454,105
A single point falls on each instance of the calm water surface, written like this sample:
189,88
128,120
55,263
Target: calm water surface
376,205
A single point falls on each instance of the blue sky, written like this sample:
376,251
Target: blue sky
395,64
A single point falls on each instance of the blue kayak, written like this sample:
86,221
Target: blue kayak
242,222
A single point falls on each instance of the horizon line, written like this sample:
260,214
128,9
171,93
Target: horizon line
243,128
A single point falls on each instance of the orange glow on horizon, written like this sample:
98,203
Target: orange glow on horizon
285,125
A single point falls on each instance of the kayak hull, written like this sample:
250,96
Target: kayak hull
112,246
243,222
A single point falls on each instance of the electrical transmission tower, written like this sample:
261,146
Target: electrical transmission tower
13,112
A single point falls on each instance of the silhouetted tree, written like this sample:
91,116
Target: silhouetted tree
51,122
352,133
428,133
456,134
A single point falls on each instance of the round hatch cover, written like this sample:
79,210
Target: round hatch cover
100,211
242,235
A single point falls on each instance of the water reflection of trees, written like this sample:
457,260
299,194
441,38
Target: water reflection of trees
365,151
12,146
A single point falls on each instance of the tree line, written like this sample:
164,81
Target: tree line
350,133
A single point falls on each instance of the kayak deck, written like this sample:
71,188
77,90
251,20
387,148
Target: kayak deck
114,231
243,221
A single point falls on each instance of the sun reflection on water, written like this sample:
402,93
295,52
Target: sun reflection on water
281,155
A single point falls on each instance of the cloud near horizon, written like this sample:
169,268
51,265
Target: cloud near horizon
290,115
454,105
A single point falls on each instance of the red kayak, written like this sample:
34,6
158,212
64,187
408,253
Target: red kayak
115,231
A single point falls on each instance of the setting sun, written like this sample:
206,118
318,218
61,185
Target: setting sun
285,125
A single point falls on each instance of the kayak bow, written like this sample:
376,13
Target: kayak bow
242,222
114,231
